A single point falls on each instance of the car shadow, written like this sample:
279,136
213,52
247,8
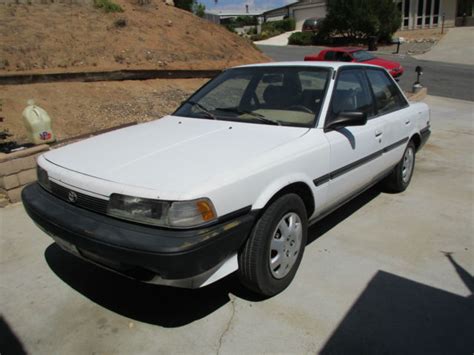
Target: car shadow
326,224
9,341
168,306
395,315
158,305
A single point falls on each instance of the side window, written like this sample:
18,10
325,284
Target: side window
351,93
313,84
387,95
312,80
330,56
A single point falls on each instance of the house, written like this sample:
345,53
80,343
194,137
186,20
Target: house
431,13
299,10
220,17
416,14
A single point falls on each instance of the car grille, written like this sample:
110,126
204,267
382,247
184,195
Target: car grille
81,200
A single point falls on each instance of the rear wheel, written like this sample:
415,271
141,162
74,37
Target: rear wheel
273,252
401,175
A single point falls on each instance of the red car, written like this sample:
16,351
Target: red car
357,55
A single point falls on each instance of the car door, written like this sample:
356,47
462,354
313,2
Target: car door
394,111
355,151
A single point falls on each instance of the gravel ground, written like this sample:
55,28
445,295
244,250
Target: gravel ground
79,108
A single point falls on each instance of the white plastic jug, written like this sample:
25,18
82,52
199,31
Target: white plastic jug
38,124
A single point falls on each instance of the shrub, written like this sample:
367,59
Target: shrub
359,19
272,29
242,21
279,26
184,4
107,6
199,9
302,38
230,27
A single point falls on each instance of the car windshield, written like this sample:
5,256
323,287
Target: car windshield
287,96
362,56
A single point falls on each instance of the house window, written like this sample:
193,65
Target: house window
420,13
404,7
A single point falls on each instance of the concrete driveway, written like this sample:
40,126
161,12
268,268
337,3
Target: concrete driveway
388,273
280,40
456,47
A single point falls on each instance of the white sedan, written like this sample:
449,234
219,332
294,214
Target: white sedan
231,181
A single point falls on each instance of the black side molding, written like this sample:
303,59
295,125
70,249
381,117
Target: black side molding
345,169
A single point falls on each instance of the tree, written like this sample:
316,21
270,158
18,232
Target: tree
199,9
359,19
185,4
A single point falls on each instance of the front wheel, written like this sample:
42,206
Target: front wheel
401,175
273,252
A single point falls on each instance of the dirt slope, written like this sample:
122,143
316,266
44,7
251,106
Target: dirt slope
71,37
78,108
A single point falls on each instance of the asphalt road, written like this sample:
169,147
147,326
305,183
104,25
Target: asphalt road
442,79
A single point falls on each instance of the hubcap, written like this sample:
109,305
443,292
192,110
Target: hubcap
407,168
285,245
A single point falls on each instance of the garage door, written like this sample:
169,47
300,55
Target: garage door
302,14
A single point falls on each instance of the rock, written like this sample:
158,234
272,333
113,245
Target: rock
169,2
169,23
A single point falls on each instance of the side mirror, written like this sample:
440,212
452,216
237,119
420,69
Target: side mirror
348,118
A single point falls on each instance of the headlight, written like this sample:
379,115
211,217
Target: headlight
182,214
43,178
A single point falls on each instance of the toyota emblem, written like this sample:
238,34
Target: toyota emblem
72,196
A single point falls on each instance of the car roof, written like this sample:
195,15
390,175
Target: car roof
320,64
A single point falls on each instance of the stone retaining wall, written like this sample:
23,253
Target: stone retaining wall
16,171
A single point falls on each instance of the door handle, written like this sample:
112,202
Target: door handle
407,122
378,133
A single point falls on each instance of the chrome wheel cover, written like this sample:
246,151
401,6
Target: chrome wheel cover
285,245
407,166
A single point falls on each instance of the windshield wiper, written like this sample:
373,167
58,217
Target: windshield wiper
256,115
204,109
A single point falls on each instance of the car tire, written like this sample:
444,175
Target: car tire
400,177
271,256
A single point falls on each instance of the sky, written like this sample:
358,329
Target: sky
239,5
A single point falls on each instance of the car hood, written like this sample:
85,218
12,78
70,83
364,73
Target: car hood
387,64
173,153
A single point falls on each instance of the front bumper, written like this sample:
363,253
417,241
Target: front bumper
425,134
135,250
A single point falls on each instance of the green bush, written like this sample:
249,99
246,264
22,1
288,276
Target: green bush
242,21
230,27
199,9
272,29
358,19
185,4
265,34
107,6
279,26
302,38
